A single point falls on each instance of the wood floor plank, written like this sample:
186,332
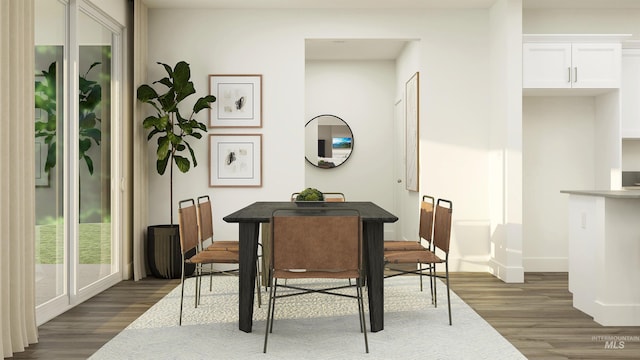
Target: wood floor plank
537,317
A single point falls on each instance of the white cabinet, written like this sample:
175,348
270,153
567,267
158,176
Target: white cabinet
571,65
630,93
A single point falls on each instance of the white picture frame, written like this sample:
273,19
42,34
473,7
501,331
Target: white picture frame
238,101
412,137
235,160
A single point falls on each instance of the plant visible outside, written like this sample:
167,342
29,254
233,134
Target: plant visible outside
90,96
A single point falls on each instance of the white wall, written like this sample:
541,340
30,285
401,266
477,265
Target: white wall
581,21
505,141
558,154
407,203
588,160
608,142
454,102
117,10
362,94
631,155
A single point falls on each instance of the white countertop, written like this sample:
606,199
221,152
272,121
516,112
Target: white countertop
618,194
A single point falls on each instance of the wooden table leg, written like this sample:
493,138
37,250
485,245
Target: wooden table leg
246,284
374,249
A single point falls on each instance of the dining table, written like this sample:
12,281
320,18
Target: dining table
249,219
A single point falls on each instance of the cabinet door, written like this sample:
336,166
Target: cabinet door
546,65
630,93
596,65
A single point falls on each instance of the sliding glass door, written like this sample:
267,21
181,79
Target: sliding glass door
77,79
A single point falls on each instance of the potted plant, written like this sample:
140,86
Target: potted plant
172,132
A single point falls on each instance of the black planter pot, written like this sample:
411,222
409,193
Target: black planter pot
163,252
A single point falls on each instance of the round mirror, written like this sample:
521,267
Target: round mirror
328,141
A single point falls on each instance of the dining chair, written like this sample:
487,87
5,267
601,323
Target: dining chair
439,254
205,221
189,239
205,226
315,243
425,234
424,231
327,197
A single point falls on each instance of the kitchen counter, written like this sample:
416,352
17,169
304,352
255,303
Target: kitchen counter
604,254
630,193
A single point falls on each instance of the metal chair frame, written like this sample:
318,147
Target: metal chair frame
441,242
425,232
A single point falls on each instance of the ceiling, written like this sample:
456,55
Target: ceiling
353,49
318,4
382,4
373,49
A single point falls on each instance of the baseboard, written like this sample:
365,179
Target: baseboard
616,314
545,264
508,274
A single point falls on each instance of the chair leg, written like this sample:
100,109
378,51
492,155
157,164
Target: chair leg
435,287
198,272
181,293
420,275
363,324
432,283
258,283
360,305
269,326
274,288
211,277
446,265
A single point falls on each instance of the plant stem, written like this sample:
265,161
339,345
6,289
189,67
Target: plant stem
171,185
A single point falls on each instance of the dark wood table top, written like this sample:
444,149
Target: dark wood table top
261,211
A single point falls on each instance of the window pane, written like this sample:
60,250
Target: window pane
49,100
94,148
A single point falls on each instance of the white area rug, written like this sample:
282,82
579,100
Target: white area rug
309,327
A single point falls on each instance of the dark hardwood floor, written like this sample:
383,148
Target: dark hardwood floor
81,331
536,317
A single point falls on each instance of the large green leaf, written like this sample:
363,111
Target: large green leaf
203,103
145,93
163,147
193,155
84,145
161,165
51,157
167,68
182,163
89,162
87,120
94,134
92,99
181,75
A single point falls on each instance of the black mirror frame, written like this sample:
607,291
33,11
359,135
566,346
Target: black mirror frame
352,142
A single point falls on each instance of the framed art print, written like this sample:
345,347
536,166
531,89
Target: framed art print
238,101
235,160
412,134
